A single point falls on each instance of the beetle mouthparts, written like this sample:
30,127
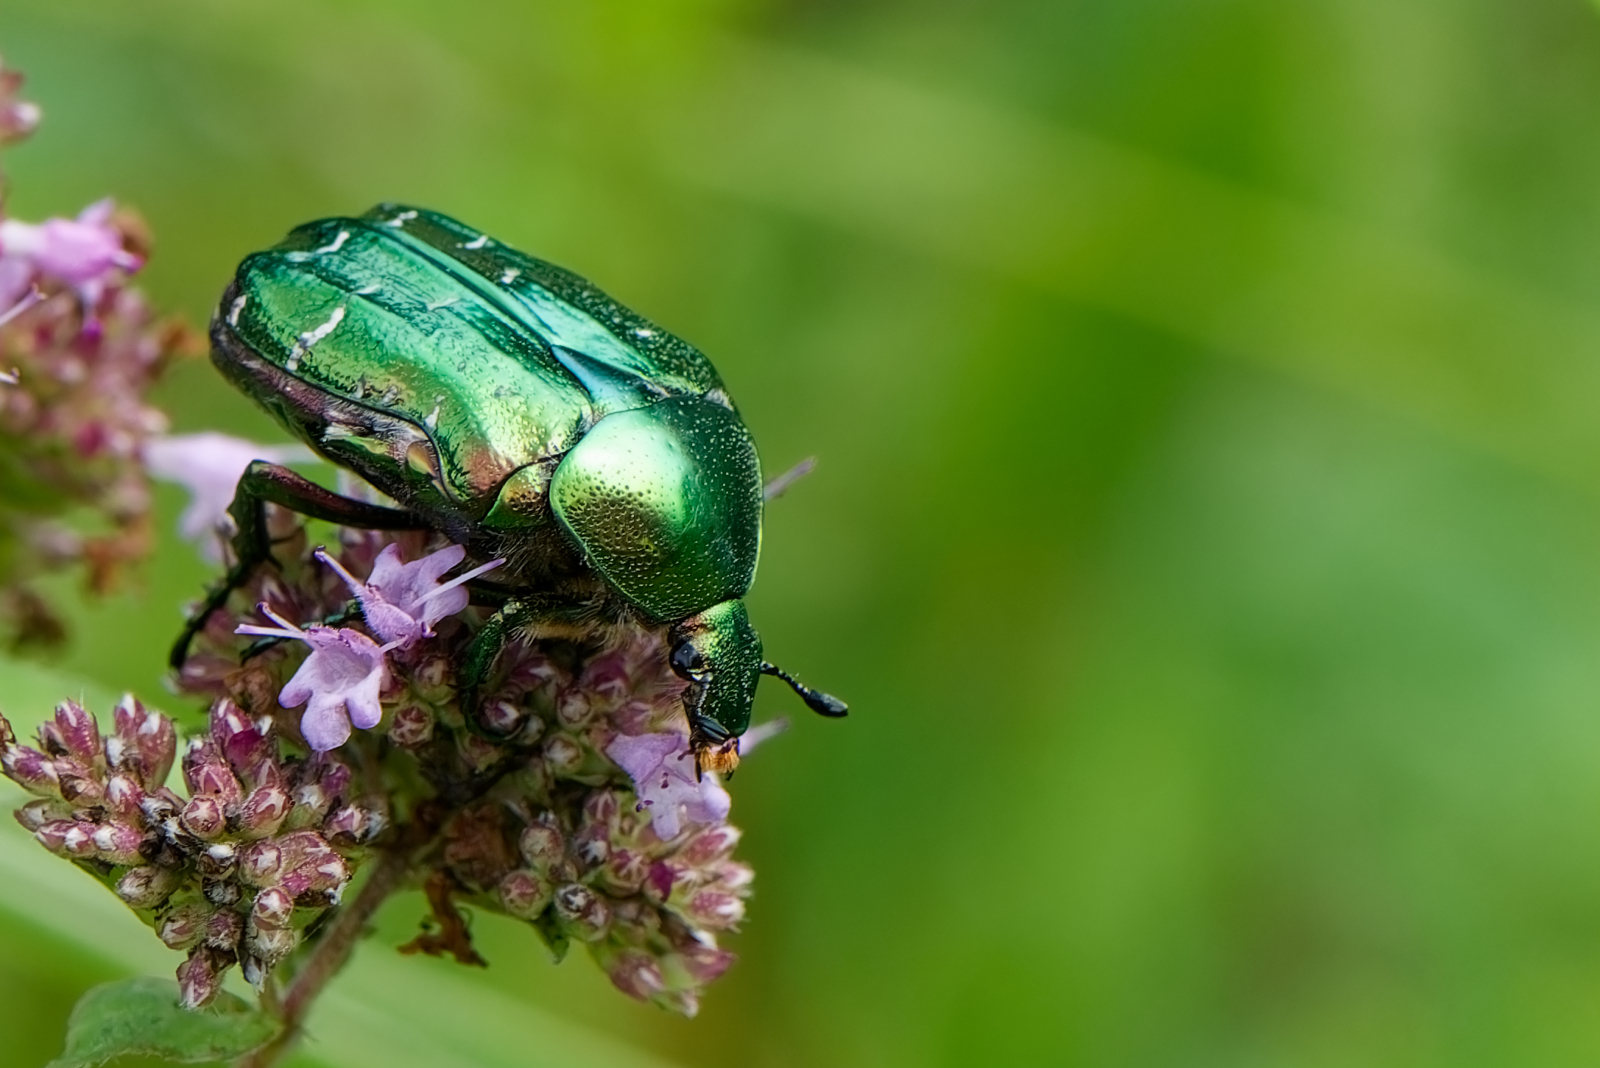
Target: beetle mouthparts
722,759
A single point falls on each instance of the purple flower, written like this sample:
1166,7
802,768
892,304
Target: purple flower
208,465
341,679
402,602
662,769
79,252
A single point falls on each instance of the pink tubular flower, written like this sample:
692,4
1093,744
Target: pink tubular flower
662,769
208,465
341,679
402,601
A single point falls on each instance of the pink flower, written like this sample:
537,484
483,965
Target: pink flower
401,602
208,465
662,769
79,252
341,679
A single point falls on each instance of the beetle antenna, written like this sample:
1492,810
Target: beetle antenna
822,704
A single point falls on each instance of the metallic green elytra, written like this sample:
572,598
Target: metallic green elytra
515,407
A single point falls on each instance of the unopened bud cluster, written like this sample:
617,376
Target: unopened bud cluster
541,822
229,871
79,350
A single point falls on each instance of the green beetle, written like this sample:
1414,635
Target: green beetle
516,408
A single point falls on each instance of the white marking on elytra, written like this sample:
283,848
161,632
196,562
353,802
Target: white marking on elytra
509,275
401,219
477,242
335,245
432,421
368,290
304,342
238,306
435,305
644,332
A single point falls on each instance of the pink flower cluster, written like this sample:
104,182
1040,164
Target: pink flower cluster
228,874
79,352
572,802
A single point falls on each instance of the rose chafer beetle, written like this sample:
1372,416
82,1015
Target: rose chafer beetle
519,410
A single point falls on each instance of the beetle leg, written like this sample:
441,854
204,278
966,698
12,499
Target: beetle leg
548,616
264,482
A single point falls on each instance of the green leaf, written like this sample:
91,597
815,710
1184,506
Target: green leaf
142,1016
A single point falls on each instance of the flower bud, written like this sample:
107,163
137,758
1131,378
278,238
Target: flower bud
124,796
501,718
713,910
222,930
76,733
585,912
261,863
309,804
543,845
573,708
635,920
478,754
412,727
310,866
157,808
255,970
273,909
607,674
323,782
204,818
625,871
524,895
636,974
182,927
703,961
223,893
564,755
38,812
433,673
352,825
147,742
217,860
708,843
242,744
199,978
601,807
664,876
271,944
118,843
255,689
77,784
67,838
731,876
31,770
147,886
591,847
264,811
208,776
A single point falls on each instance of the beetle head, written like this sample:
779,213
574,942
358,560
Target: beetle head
719,654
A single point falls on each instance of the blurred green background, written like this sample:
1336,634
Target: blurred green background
1206,533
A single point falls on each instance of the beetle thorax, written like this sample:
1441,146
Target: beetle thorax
665,502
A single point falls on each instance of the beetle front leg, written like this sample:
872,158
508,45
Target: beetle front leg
540,616
263,483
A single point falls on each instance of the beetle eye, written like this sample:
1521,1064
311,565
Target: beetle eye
687,661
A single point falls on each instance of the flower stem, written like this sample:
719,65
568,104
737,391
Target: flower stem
330,954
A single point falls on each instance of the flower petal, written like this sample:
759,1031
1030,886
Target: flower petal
325,724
